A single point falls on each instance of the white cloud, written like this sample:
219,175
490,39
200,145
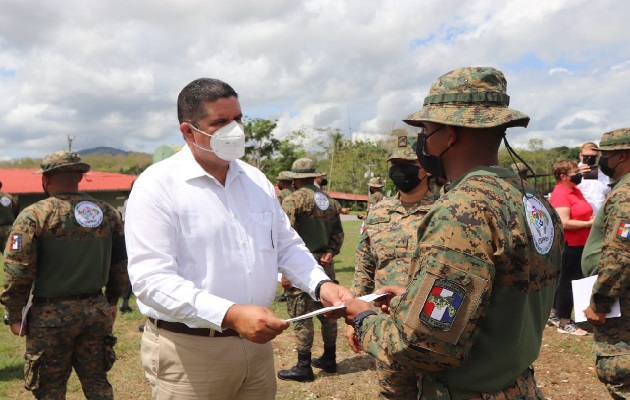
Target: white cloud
109,73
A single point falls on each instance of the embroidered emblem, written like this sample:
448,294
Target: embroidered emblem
362,228
442,304
623,232
321,201
539,222
402,141
5,201
88,214
16,242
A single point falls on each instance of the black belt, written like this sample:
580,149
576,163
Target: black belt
178,327
44,300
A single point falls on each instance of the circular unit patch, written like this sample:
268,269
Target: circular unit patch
540,224
88,214
322,201
5,201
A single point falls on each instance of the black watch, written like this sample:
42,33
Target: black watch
358,322
8,321
318,289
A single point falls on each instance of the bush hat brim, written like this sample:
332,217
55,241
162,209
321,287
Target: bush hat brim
618,139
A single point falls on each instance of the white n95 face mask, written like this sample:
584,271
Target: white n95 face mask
228,142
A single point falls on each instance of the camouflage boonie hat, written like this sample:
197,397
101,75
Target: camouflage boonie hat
519,167
473,97
618,139
405,148
376,182
285,176
62,161
303,168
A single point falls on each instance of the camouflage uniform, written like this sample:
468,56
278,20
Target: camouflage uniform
285,176
607,255
65,249
376,196
488,258
315,217
8,211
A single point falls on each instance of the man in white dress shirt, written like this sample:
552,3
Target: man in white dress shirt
206,239
594,185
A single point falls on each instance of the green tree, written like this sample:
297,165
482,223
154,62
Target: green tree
261,144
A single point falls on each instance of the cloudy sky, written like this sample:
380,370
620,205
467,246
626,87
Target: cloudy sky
108,72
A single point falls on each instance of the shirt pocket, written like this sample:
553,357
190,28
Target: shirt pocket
263,230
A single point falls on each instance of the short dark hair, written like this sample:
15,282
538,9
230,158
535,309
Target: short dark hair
190,102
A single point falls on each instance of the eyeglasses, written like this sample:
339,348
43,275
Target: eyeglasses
423,136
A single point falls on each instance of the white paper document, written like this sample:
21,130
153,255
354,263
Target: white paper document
25,312
582,291
368,297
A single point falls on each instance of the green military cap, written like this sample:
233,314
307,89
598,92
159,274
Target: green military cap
303,168
473,97
62,161
285,176
518,167
618,139
404,148
376,182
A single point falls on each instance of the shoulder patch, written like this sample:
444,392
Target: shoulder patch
442,304
88,214
16,242
540,223
5,201
322,201
623,231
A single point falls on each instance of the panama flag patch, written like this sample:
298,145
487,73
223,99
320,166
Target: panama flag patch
16,242
623,232
442,304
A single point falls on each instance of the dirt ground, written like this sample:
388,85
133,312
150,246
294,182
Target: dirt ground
565,369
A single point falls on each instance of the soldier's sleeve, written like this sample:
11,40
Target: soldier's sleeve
118,276
289,207
433,325
365,267
613,269
20,263
336,238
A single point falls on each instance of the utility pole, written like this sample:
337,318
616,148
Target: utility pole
70,139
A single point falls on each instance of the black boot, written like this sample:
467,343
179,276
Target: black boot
327,361
302,372
124,307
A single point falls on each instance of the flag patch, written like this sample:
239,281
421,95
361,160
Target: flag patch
442,304
362,228
623,232
16,242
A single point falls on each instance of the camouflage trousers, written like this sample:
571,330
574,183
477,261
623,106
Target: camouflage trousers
524,388
69,334
396,382
4,236
300,303
614,372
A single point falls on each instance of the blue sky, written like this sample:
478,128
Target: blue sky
108,72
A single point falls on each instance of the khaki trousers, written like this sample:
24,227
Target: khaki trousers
181,366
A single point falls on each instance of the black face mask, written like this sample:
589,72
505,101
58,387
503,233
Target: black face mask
405,176
589,160
432,164
324,182
603,166
577,178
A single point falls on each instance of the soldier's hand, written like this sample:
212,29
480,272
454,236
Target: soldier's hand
15,329
391,291
254,323
361,216
595,319
325,259
352,339
354,307
285,283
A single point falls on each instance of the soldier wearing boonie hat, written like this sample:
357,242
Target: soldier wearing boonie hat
473,265
64,250
607,255
285,184
315,217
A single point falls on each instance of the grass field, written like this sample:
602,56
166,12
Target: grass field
564,369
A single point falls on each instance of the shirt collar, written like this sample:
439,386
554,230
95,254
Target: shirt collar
191,169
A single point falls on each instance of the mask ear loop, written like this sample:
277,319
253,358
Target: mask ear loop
513,154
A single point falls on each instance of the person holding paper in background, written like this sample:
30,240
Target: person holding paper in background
607,255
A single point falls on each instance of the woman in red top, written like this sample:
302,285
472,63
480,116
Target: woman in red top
577,218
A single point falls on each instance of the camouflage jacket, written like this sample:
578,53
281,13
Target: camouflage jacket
374,198
387,244
480,292
65,245
8,208
607,254
315,217
284,193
